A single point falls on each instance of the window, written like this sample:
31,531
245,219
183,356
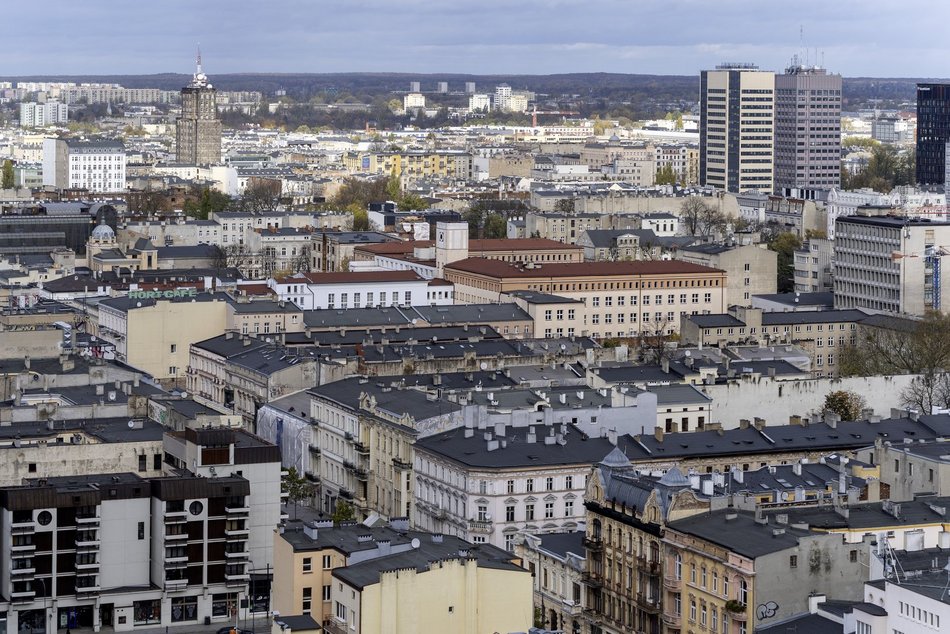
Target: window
307,565
141,532
547,315
568,508
529,485
549,484
853,556
702,577
549,510
692,573
570,313
143,463
326,593
305,605
743,592
341,611
172,370
511,486
510,513
529,512
173,348
692,610
677,567
568,482
482,513
326,562
793,561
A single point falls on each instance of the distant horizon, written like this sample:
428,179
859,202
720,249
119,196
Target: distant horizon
873,39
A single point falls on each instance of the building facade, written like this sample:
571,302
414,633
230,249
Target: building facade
198,130
807,128
34,115
98,166
933,132
736,137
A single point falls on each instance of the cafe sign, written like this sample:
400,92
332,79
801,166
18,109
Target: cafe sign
169,294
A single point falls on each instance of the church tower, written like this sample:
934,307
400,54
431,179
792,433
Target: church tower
198,129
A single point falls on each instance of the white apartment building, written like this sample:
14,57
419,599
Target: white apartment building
479,102
98,166
737,128
413,100
35,115
487,485
503,98
813,266
361,289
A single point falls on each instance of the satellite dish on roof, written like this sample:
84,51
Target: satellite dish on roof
131,424
484,366
415,543
415,321
688,353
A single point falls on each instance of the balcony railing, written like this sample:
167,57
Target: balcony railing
479,526
593,543
672,620
672,583
401,464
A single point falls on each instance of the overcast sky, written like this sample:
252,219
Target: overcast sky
879,38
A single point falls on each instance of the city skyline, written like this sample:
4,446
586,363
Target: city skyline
492,37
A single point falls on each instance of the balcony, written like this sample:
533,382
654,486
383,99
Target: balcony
672,620
672,583
361,448
401,464
592,579
315,450
346,494
24,596
87,590
237,532
648,603
479,526
22,549
175,558
238,554
361,474
237,509
94,565
176,584
87,520
176,517
87,542
594,543
740,616
335,626
18,572
175,537
21,528
571,607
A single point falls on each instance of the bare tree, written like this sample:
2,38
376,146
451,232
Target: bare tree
261,194
653,340
691,211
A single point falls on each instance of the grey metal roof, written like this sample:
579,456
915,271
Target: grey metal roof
471,313
355,317
678,394
561,544
518,453
740,533
810,623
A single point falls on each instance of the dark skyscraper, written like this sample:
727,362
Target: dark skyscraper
933,132
807,128
198,128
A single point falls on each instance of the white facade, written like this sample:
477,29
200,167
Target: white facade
35,115
479,102
358,290
494,505
98,166
413,100
845,203
911,606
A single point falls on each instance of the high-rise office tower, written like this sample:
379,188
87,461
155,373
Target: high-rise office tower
933,132
807,128
198,129
736,130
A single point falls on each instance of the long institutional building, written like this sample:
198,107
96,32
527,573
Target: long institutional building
597,299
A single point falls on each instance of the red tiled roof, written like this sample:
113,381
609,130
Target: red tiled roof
499,268
438,281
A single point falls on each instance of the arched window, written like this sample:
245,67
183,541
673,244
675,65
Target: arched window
677,566
743,592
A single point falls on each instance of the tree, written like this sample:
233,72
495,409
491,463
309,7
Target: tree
496,226
296,487
845,403
209,201
8,180
652,341
666,175
691,211
261,194
564,206
343,512
785,244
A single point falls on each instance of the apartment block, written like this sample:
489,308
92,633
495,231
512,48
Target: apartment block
98,166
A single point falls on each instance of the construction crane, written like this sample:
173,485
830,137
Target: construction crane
536,112
932,256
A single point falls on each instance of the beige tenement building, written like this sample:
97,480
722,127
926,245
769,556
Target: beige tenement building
353,579
737,128
751,269
154,335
